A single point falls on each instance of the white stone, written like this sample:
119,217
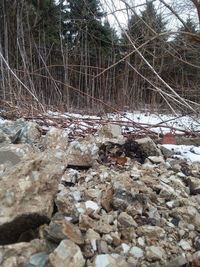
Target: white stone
125,247
181,232
76,195
190,227
153,213
170,204
154,253
141,241
88,178
136,252
165,180
185,245
115,255
104,260
93,244
180,174
91,205
156,159
170,224
80,207
68,218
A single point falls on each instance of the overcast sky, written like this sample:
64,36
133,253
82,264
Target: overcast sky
115,5
184,8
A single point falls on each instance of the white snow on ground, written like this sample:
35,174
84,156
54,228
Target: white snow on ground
2,121
127,120
82,122
146,119
196,150
191,153
179,122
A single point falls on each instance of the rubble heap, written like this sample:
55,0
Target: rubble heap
99,201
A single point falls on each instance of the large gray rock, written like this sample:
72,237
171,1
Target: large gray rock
187,214
56,139
166,152
38,260
179,261
60,229
66,203
4,138
110,131
148,148
27,193
18,255
82,153
154,253
150,231
66,254
11,154
126,220
21,131
136,252
9,157
122,198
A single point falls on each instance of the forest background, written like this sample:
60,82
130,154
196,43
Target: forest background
65,55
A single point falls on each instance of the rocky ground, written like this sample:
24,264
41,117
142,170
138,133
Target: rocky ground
96,201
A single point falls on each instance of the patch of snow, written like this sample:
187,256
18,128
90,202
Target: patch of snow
185,152
2,121
80,122
195,150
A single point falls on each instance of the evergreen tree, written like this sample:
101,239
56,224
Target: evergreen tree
153,19
189,27
187,48
47,17
83,15
84,27
91,43
142,28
